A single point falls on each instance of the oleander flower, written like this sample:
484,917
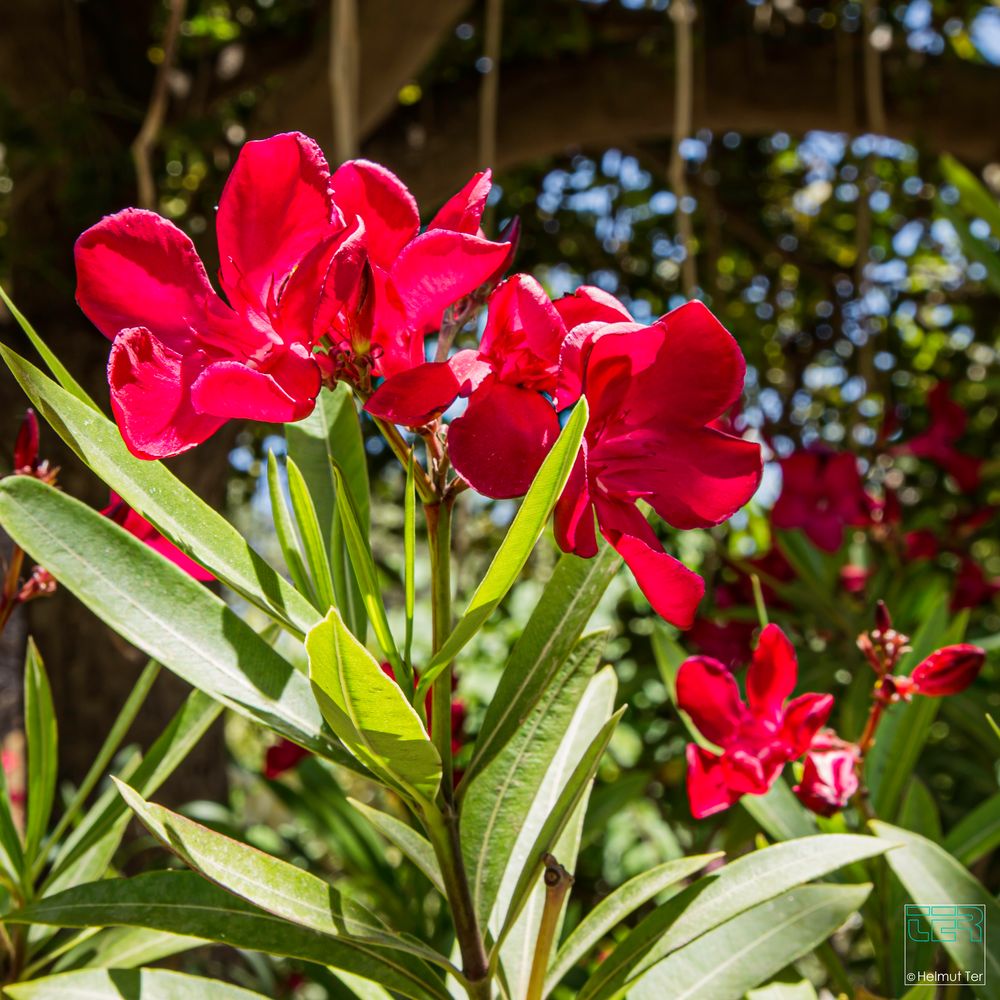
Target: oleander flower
821,493
183,361
937,443
653,392
830,775
946,671
756,737
411,277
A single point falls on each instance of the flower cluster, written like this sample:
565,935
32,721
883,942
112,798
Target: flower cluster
329,277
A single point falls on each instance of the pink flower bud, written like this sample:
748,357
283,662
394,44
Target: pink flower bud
948,671
830,776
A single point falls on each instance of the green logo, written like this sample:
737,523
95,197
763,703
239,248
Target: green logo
946,924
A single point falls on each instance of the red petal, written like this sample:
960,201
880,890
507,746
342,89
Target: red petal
415,397
802,720
772,674
437,269
523,334
151,396
231,390
708,692
136,269
692,477
273,210
706,783
574,514
948,671
589,304
500,441
382,201
670,587
462,212
685,369
574,354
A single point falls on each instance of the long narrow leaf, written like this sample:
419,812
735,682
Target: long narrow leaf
524,532
186,903
43,750
409,559
284,531
313,545
149,487
114,984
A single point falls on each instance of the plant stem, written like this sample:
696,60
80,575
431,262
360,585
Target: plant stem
442,824
558,882
439,538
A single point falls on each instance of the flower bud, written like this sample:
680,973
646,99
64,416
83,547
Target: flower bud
948,671
830,775
26,446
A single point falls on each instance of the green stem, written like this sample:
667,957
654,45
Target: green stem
439,538
558,882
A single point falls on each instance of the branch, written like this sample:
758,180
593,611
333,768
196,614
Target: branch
344,74
145,141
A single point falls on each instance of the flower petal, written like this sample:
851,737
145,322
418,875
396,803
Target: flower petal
574,354
708,692
440,267
416,396
590,304
500,441
802,720
706,784
151,396
382,201
574,514
523,334
232,390
684,369
462,212
772,674
949,670
274,208
322,283
670,587
136,269
692,477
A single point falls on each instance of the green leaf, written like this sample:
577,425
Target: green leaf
369,712
779,813
717,898
977,833
566,605
61,373
803,990
616,907
749,949
524,532
186,903
11,848
151,489
159,608
43,750
933,877
288,540
268,882
557,810
311,537
356,540
89,849
125,948
123,722
919,811
974,197
497,801
557,814
411,842
133,984
331,435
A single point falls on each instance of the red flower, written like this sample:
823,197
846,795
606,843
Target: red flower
821,493
948,671
757,738
972,588
922,544
937,443
135,524
854,578
652,392
26,445
830,777
500,440
183,361
413,277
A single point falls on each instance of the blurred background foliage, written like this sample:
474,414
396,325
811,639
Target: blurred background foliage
813,204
